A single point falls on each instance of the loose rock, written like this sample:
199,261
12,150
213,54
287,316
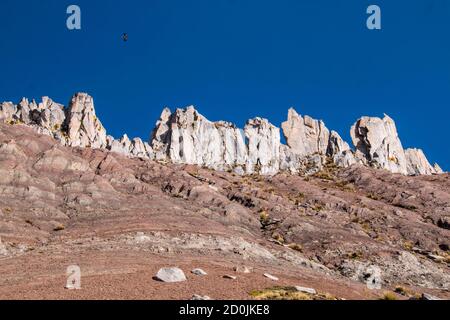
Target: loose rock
170,275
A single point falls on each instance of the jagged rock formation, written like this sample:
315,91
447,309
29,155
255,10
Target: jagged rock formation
310,142
340,151
417,163
378,145
305,136
187,137
263,147
82,126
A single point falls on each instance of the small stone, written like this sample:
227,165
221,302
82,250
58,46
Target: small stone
271,277
199,272
199,297
242,269
305,290
227,276
426,296
170,275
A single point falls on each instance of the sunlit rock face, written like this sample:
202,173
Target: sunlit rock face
378,145
263,147
83,127
187,137
305,135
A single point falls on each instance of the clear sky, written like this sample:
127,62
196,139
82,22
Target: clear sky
237,59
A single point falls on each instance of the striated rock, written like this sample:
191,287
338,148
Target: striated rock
377,144
417,163
82,126
263,147
187,137
11,152
56,160
233,142
305,136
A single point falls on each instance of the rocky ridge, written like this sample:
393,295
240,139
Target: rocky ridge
187,137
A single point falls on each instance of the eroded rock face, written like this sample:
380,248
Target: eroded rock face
340,151
377,144
263,147
160,139
305,135
307,141
194,139
82,125
417,163
187,137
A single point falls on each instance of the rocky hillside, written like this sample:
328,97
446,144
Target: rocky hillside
250,212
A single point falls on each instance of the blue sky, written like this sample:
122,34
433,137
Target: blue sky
237,59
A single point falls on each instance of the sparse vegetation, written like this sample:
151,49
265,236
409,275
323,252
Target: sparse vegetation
318,207
373,196
355,255
296,247
324,175
389,296
287,293
408,245
264,218
345,186
298,198
278,237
